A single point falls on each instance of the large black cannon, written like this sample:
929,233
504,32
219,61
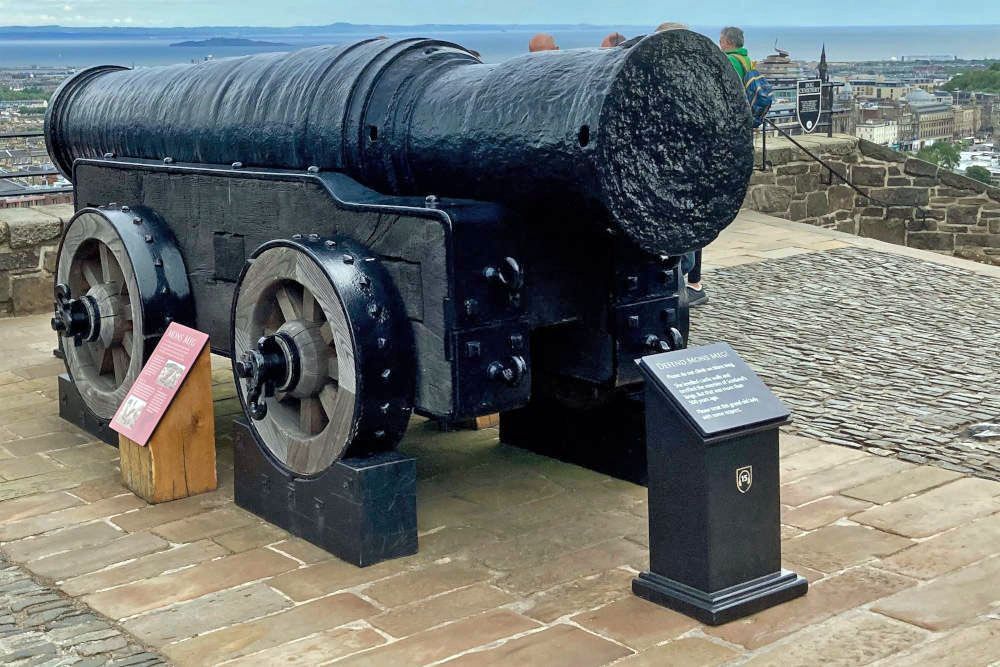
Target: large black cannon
393,226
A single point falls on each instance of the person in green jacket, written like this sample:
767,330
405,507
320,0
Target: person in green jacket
731,42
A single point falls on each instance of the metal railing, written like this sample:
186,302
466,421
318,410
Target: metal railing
29,190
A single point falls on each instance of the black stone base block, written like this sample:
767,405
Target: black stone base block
361,510
610,438
721,606
75,411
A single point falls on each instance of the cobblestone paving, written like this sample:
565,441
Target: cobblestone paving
894,354
40,626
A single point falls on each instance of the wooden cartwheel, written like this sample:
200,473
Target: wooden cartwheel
120,281
322,352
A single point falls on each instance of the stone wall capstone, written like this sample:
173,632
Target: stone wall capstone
29,241
916,203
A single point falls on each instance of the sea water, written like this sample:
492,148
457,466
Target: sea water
500,43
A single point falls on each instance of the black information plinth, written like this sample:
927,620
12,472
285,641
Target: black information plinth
361,510
714,522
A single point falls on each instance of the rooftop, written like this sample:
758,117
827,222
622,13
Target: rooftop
890,506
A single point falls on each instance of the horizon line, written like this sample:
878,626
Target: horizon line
456,25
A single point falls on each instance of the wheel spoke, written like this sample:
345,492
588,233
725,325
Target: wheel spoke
91,272
110,271
310,415
326,332
290,305
127,342
102,360
328,399
311,310
333,369
120,360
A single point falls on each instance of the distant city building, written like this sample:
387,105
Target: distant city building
879,89
934,120
779,66
884,133
968,120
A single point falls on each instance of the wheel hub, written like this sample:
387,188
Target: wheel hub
272,365
75,318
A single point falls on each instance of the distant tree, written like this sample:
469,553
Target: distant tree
8,95
977,80
942,153
981,174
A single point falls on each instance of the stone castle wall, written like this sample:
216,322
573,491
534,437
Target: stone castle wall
924,207
29,241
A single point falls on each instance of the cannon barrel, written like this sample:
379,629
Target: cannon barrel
651,140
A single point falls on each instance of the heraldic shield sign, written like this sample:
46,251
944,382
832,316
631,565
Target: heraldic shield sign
809,103
744,478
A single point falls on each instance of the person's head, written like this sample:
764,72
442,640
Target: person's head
542,42
731,38
614,39
670,25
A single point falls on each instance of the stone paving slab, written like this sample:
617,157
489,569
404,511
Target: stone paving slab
528,560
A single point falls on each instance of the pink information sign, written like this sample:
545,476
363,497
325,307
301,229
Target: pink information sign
148,399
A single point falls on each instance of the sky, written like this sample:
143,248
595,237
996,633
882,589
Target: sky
166,13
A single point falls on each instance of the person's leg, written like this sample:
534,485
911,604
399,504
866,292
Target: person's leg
696,293
694,274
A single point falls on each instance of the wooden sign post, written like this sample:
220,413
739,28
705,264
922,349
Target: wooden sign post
166,424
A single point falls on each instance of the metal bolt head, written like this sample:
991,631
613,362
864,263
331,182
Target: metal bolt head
314,237
430,201
330,244
157,262
125,209
348,259
168,160
109,156
136,220
237,165
313,169
148,238
296,237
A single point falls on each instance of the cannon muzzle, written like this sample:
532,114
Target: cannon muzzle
651,139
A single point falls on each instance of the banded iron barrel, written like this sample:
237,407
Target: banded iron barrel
651,139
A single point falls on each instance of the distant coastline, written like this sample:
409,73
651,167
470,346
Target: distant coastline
225,41
57,46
